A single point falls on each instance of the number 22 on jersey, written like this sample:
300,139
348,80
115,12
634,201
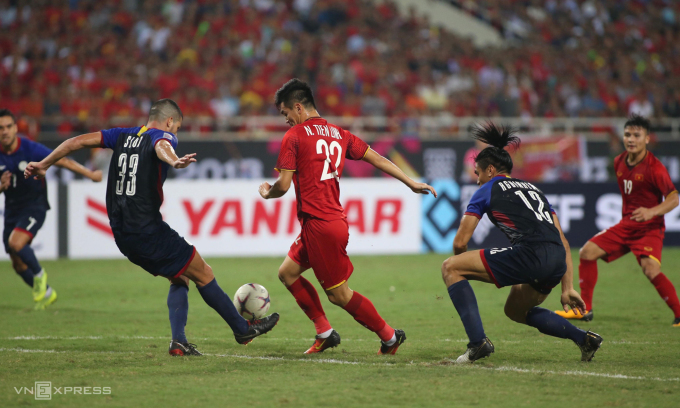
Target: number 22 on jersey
323,147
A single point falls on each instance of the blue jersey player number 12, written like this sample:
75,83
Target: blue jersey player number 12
538,259
139,166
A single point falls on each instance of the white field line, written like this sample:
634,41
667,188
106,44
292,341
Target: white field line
577,373
607,342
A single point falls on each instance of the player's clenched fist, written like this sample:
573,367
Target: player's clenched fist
5,180
264,189
36,170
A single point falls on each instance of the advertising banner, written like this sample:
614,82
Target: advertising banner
45,244
583,209
229,218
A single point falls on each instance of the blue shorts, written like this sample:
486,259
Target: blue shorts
540,265
28,220
163,252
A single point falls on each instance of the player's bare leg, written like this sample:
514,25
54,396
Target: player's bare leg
244,331
178,308
652,270
21,251
363,311
290,274
456,272
587,278
521,307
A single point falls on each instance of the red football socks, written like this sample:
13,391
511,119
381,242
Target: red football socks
308,299
587,278
667,292
364,312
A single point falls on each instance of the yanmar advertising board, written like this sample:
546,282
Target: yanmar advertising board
229,218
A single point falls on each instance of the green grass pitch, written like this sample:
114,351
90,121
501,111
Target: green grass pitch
110,328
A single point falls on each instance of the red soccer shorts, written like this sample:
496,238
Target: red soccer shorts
322,246
621,239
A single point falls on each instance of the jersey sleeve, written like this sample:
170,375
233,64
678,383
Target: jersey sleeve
356,148
160,135
287,160
662,180
39,151
480,201
110,136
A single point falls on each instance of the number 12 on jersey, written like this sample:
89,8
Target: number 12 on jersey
540,214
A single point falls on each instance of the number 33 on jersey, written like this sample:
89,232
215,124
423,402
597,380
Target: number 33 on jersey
316,151
136,177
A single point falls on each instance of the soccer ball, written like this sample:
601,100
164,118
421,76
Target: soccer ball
252,301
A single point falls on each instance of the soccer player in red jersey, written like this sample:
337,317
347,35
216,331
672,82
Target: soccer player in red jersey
648,193
313,156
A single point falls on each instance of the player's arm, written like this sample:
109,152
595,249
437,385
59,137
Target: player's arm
643,214
38,169
570,297
166,153
280,186
467,227
386,166
78,168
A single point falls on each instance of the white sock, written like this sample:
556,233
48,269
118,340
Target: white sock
325,334
392,340
39,274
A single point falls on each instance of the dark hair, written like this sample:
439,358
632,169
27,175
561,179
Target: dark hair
499,138
163,109
295,91
7,112
636,120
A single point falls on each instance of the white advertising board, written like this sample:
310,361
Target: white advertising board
229,218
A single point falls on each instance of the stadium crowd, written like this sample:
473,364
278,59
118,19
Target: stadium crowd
80,61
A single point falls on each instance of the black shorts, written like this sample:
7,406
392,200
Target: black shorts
28,220
163,252
540,265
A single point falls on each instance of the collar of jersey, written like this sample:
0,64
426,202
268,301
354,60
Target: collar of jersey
15,150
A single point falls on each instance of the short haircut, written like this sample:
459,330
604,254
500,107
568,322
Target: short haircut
163,109
295,91
636,120
7,112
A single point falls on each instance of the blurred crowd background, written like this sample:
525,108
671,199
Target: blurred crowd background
78,63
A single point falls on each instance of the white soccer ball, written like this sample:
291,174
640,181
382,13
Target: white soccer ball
252,301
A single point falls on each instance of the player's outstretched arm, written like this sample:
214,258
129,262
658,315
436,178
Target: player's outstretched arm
570,297
76,167
386,166
38,169
643,214
279,188
467,227
166,153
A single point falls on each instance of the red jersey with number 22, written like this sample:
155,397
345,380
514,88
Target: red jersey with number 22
316,151
643,185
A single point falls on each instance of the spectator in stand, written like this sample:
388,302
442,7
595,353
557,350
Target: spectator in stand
573,58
